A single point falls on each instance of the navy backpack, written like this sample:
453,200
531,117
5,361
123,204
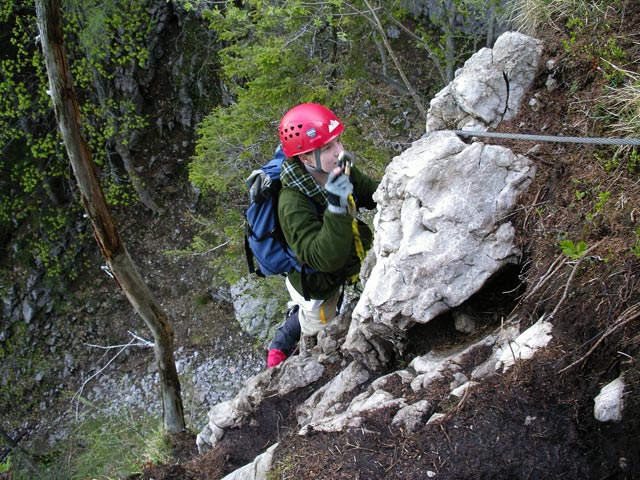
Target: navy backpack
264,240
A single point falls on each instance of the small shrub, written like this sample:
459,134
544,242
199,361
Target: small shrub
5,466
573,250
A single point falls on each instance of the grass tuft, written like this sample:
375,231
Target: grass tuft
527,16
623,104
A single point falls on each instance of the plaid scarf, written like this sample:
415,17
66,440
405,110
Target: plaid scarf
294,175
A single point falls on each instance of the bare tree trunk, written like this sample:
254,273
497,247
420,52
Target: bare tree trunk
118,259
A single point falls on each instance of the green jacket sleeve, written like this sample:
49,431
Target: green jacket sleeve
321,241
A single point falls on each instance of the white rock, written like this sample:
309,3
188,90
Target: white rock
459,391
459,378
423,381
257,470
409,418
225,414
464,322
378,399
478,95
299,372
203,439
333,397
382,382
429,363
435,418
608,405
525,346
352,416
440,231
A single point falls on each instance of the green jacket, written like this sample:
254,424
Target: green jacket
322,240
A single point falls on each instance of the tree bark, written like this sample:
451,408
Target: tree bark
93,200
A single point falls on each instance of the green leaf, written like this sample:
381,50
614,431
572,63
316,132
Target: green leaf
573,250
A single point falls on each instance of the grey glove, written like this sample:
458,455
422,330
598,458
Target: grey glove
338,188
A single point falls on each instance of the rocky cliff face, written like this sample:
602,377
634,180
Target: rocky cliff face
393,390
538,379
442,230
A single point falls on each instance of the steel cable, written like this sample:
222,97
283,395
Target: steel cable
549,138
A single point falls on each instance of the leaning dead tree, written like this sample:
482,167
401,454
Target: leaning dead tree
93,200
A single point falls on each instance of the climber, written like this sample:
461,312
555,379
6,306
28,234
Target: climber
321,194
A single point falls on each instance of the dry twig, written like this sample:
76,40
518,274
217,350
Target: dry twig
627,316
551,271
573,272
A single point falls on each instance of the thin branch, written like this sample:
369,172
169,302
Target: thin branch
182,253
553,268
14,446
432,56
627,316
141,343
213,249
385,40
573,272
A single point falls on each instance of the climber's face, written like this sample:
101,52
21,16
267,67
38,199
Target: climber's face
324,158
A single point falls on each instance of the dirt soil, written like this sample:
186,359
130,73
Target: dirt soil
536,421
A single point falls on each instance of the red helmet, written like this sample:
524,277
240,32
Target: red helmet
306,127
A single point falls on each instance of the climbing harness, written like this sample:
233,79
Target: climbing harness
549,138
